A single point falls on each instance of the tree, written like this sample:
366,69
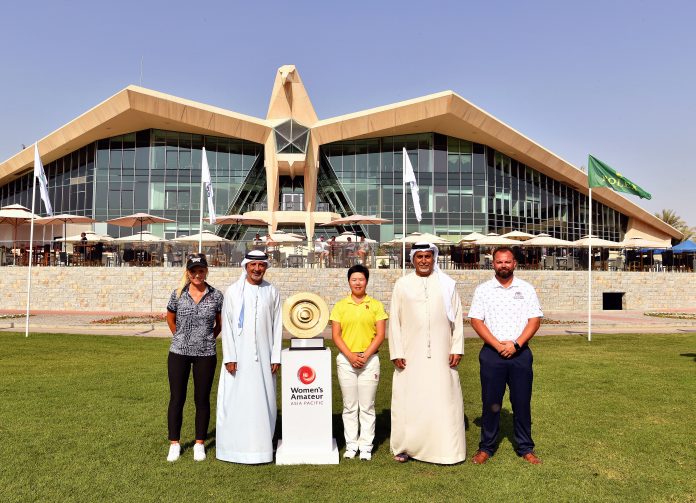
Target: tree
671,218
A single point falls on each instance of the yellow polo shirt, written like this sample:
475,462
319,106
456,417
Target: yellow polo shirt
358,321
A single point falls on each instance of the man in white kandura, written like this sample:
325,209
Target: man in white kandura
252,328
426,343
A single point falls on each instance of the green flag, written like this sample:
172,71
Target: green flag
602,175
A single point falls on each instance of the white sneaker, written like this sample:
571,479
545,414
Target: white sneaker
365,456
198,452
350,453
174,452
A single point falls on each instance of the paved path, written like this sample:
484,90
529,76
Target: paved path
564,323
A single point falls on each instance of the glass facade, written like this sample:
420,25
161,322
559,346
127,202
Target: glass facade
152,171
463,187
70,185
291,138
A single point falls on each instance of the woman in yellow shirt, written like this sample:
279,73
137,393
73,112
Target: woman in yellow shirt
358,326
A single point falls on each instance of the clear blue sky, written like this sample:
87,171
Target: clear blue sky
613,78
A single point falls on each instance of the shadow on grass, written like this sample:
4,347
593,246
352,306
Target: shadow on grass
689,355
382,429
209,442
506,428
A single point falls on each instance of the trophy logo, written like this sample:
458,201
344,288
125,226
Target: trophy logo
306,374
305,316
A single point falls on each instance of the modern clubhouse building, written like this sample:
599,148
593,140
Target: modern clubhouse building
140,151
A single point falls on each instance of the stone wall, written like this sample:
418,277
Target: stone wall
134,289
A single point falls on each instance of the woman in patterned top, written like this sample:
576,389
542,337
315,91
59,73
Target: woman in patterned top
193,316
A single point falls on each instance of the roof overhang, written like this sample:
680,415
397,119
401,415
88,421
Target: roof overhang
133,109
451,115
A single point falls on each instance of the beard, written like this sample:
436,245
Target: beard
504,273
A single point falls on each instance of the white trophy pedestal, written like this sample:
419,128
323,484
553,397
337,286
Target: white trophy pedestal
306,398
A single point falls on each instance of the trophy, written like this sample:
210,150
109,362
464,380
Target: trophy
305,316
307,435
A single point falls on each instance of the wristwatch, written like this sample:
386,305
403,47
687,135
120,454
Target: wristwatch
517,346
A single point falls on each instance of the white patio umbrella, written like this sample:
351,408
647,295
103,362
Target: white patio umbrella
343,238
91,236
284,237
470,238
136,219
15,215
357,220
417,237
65,219
140,237
204,237
496,240
518,235
546,240
207,238
596,243
239,220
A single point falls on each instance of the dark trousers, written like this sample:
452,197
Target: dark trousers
179,368
497,373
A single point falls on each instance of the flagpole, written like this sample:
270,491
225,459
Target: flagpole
31,258
200,223
589,274
403,201
599,174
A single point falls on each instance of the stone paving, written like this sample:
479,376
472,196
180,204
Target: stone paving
569,323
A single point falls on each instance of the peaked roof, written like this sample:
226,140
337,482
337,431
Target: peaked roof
450,114
132,109
136,108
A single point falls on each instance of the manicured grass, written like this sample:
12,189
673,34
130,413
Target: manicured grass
83,418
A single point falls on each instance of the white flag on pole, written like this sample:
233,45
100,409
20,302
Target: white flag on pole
208,184
410,178
41,177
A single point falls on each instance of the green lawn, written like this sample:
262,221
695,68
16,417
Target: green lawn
83,418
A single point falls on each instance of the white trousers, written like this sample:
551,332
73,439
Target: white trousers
358,387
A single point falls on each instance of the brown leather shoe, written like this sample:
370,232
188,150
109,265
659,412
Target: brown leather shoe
480,457
531,458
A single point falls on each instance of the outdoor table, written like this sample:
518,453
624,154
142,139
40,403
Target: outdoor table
296,261
177,259
108,259
274,255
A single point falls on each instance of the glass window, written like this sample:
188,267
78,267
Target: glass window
170,199
114,201
157,195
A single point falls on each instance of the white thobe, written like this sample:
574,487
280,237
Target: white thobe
427,418
246,402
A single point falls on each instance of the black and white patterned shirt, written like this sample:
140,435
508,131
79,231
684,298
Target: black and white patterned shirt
194,322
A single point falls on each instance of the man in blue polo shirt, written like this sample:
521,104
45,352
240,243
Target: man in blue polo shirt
505,313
